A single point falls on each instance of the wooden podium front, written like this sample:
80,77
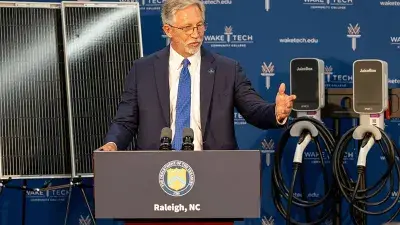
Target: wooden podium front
214,187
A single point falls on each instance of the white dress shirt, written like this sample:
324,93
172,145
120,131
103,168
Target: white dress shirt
175,67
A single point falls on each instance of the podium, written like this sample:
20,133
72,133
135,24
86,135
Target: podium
212,187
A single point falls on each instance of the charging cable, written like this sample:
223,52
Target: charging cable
307,129
351,190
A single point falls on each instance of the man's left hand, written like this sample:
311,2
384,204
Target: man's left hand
283,104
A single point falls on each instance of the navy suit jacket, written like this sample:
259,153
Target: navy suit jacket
144,109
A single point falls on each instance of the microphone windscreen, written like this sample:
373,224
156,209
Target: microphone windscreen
166,132
188,132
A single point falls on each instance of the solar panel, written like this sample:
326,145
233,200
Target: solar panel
33,122
101,41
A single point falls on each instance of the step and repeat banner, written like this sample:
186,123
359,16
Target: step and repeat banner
263,35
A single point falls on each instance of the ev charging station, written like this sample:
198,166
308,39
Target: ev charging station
370,91
369,104
307,82
370,101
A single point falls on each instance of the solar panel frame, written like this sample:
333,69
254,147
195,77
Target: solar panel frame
75,160
43,164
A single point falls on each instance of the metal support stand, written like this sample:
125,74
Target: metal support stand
77,183
23,219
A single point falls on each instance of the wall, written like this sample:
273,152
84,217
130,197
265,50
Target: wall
254,34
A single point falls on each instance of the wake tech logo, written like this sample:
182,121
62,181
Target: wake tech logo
85,220
395,41
267,71
353,32
55,195
229,39
328,4
155,5
328,70
268,221
238,119
268,147
336,80
150,5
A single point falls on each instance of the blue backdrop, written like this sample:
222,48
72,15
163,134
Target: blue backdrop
256,33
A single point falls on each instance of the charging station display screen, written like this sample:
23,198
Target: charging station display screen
304,84
367,86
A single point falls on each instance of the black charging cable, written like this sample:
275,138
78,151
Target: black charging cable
351,190
279,189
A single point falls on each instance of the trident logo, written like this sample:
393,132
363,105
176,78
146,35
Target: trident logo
268,221
267,71
353,33
85,221
268,148
328,72
228,33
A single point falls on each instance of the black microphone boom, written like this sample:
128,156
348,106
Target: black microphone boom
188,137
165,139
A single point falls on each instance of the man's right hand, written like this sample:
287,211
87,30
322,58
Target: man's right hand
111,146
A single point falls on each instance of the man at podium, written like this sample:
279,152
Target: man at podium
186,86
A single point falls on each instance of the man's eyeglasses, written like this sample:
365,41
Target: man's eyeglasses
189,29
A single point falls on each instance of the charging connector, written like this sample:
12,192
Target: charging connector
304,140
307,129
366,145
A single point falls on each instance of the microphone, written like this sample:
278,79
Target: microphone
165,139
188,137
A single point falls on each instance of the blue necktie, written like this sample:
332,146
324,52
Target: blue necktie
182,105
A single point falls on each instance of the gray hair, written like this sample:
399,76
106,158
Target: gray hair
170,7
